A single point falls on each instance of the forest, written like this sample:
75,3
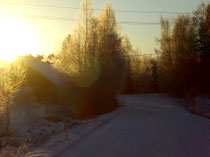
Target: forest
100,64
102,61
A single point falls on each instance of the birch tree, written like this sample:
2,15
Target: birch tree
11,78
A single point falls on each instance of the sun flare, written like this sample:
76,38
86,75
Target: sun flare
16,39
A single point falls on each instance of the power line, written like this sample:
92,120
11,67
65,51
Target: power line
116,10
75,19
47,17
40,5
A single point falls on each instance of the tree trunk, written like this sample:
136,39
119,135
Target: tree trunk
8,120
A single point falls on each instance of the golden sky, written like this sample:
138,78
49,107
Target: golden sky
31,26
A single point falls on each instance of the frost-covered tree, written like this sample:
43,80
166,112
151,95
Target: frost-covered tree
178,48
93,57
11,78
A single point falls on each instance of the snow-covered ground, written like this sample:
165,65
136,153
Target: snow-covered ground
30,128
203,106
146,125
57,143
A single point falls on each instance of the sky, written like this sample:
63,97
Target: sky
49,34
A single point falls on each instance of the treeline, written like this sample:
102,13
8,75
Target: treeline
182,64
102,64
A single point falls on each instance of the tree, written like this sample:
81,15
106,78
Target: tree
110,53
11,78
93,58
50,57
86,15
30,56
201,19
109,35
128,51
166,61
178,54
154,78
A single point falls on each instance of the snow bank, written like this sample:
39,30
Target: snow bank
57,143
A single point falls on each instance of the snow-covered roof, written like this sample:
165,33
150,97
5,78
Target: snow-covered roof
47,71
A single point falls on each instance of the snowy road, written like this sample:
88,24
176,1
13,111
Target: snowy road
149,126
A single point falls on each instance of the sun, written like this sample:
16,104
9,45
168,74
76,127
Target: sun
16,39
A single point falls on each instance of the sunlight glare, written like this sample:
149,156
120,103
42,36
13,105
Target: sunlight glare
16,39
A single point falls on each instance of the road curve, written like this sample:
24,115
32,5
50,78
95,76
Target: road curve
149,126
